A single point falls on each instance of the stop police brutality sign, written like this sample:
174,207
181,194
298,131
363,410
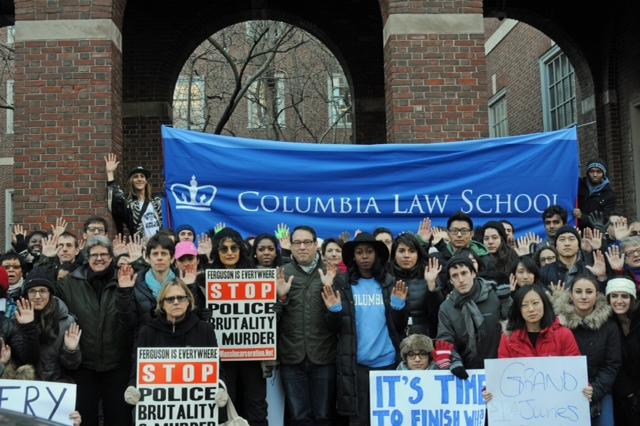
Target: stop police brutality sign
242,304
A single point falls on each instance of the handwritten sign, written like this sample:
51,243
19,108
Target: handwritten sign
44,400
177,386
425,398
242,302
538,391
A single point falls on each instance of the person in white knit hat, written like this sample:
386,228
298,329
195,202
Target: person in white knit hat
622,296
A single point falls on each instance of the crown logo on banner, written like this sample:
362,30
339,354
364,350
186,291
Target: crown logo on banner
192,196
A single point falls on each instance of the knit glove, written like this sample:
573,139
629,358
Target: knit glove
460,372
221,398
503,291
132,395
442,354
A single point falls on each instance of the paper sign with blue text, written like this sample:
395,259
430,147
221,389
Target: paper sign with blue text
541,391
426,398
44,400
177,386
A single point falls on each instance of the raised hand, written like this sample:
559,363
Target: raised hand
400,290
522,245
19,237
556,287
5,353
615,257
328,277
188,275
424,229
119,245
205,245
50,246
283,285
620,228
345,236
596,219
81,243
72,337
330,296
59,227
599,268
431,271
219,227
24,314
134,248
586,240
126,277
110,165
283,236
439,234
513,282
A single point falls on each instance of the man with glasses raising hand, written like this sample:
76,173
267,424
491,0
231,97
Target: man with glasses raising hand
460,230
102,307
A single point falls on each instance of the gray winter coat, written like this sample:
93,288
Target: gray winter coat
451,326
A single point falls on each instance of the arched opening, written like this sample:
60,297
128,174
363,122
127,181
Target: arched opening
265,79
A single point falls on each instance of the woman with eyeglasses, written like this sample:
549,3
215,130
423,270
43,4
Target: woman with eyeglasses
175,326
246,385
56,329
545,255
415,352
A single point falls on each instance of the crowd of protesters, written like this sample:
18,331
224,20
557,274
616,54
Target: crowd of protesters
77,307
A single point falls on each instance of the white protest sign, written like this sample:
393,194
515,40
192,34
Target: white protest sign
538,391
45,400
426,398
177,386
242,304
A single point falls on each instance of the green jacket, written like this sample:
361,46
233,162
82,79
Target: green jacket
107,336
302,328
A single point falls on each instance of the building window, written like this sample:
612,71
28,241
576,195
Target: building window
558,90
266,102
339,101
9,101
498,123
189,103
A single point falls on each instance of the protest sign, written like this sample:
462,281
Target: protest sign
177,386
44,400
253,185
242,302
426,398
537,391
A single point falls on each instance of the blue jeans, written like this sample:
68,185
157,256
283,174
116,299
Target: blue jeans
606,414
310,392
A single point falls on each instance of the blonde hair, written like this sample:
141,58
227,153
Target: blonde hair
175,283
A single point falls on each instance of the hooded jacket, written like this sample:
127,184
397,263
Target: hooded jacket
554,340
598,338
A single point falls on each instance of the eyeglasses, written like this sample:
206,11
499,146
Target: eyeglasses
227,249
35,291
461,231
298,243
632,252
99,255
96,230
176,299
548,259
418,354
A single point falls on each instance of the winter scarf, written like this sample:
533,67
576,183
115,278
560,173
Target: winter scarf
471,315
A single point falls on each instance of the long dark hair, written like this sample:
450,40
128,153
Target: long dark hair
254,258
530,265
378,270
516,321
229,234
505,257
410,241
47,322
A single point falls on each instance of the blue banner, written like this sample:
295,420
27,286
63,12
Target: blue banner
253,185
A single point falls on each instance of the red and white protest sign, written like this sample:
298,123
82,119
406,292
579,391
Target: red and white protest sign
177,386
242,302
